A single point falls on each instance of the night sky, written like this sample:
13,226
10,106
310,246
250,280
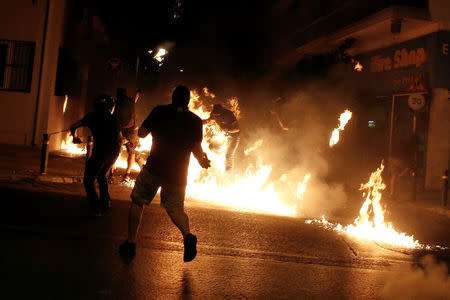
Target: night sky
207,35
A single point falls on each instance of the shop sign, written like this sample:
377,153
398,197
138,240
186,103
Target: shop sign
416,101
402,58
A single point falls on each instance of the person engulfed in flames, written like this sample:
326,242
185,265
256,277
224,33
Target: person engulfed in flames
228,123
176,132
125,112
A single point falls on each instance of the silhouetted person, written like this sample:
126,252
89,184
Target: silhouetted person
126,113
229,124
275,114
402,161
105,130
176,133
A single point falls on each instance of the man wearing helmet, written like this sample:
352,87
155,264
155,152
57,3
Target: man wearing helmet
105,130
176,132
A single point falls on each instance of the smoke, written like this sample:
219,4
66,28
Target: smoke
310,115
427,280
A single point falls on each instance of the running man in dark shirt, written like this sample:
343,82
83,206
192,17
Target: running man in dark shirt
229,124
176,132
105,130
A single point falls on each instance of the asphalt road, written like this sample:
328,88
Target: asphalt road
52,250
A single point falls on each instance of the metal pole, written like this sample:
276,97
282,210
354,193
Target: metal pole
414,167
391,131
41,67
137,69
44,154
89,148
444,188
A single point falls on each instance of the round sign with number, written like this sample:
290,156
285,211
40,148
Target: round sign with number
416,102
114,65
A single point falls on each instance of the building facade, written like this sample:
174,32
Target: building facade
31,34
52,59
404,83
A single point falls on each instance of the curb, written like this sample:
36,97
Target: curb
59,179
41,178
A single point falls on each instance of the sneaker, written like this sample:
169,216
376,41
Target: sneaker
105,209
95,214
128,249
126,178
190,247
110,179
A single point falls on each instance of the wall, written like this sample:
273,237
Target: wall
17,115
23,20
50,116
438,139
439,11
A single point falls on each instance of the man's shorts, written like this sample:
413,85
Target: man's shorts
146,187
130,134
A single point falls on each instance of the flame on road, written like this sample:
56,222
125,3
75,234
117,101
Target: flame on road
252,148
343,120
68,146
249,190
370,224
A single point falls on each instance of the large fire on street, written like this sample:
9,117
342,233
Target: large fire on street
370,224
247,191
253,190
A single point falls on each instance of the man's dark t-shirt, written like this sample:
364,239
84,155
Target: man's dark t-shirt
174,136
125,111
105,130
226,120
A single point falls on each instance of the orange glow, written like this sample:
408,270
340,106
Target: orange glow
343,120
233,103
66,100
208,93
159,56
245,190
358,67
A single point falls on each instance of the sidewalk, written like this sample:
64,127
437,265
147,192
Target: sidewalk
21,162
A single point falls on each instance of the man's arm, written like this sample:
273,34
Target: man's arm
143,131
234,127
201,156
74,127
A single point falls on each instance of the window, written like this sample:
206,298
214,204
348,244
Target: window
16,65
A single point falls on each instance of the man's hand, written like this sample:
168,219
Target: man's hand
204,162
206,121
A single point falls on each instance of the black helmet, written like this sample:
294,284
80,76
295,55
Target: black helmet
181,96
217,108
103,103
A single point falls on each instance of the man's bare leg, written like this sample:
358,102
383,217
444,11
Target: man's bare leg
181,220
130,161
